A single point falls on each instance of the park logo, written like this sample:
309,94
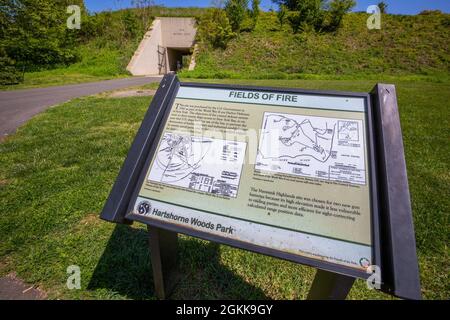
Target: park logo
364,262
144,208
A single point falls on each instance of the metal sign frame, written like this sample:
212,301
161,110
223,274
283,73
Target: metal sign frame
134,169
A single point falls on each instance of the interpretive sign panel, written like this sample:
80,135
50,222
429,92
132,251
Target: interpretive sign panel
284,172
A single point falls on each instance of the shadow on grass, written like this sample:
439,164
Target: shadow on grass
125,269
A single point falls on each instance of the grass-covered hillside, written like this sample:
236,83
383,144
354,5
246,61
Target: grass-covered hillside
405,46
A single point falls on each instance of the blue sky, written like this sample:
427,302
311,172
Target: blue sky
394,6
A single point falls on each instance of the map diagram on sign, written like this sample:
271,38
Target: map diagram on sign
348,130
200,163
317,147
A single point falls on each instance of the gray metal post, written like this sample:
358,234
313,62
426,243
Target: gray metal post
330,286
163,251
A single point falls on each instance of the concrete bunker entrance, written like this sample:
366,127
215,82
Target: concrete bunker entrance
166,47
177,58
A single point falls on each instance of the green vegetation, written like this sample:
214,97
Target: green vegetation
96,63
100,50
236,11
214,29
281,15
57,170
8,71
302,15
383,7
320,15
217,26
34,32
406,46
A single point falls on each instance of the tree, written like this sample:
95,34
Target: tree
130,22
383,6
251,16
316,14
34,33
281,15
307,13
255,11
215,28
236,10
9,74
145,10
288,4
337,10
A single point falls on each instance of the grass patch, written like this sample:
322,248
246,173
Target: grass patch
57,171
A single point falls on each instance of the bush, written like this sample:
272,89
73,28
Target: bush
430,12
34,33
288,4
130,22
236,13
336,12
281,15
306,13
383,7
254,14
247,25
8,72
315,14
214,28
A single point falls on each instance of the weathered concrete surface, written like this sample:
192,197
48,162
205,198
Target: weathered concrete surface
12,288
18,106
163,45
145,59
178,32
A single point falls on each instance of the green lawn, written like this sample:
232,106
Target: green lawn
57,170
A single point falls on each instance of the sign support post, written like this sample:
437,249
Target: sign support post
163,252
330,286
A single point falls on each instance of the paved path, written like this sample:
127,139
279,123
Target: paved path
18,106
13,288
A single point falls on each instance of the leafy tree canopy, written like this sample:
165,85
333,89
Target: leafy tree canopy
34,33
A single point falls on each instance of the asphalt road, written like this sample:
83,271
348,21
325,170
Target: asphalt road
18,106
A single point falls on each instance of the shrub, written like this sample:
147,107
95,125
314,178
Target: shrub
336,11
383,7
307,13
130,22
430,12
236,12
281,15
255,11
8,71
34,32
316,14
288,4
214,28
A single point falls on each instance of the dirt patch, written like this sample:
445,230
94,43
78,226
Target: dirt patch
132,93
13,288
3,137
91,218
